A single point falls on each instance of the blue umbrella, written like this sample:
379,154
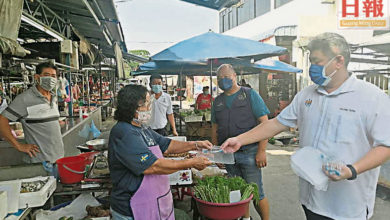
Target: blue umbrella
172,66
187,68
276,66
211,45
208,47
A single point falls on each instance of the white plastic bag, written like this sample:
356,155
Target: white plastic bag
85,131
307,164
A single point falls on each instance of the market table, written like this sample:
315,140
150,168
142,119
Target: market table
25,214
105,108
77,189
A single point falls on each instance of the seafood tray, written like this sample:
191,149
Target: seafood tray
34,192
33,186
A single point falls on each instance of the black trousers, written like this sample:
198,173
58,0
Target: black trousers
313,216
162,131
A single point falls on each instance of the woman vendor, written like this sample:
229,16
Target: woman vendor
138,169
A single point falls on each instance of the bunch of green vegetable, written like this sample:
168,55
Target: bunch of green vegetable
186,113
271,140
217,189
195,112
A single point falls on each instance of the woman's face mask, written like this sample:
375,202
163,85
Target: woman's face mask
144,113
144,117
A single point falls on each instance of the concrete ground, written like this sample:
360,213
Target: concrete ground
281,187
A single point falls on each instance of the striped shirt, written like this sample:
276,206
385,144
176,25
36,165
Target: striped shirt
39,118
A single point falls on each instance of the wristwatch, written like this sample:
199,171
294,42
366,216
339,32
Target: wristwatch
353,171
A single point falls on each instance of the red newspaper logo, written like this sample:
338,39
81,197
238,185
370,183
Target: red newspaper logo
354,7
374,7
364,14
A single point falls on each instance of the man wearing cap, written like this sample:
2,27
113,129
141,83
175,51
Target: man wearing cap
203,101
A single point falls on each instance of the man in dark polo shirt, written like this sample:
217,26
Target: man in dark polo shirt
237,110
37,110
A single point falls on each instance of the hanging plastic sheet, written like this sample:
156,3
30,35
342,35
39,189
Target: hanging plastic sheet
9,46
119,61
10,17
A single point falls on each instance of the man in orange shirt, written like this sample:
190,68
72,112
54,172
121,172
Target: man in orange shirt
204,99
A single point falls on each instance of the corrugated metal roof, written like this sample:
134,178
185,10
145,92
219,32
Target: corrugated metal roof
379,43
287,30
213,4
97,20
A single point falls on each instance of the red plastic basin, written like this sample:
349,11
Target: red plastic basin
71,169
223,211
89,156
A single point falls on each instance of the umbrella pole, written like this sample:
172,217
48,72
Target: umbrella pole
211,80
180,85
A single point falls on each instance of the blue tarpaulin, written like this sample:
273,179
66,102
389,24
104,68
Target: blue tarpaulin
187,68
276,65
212,45
213,4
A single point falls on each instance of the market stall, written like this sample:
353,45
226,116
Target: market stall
79,176
197,123
83,187
33,32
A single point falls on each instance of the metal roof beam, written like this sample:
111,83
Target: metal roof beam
39,25
363,60
372,71
98,8
40,16
106,35
68,7
130,56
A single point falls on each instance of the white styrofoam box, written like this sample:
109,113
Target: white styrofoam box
178,138
39,198
193,118
101,218
181,177
3,204
12,187
66,46
186,109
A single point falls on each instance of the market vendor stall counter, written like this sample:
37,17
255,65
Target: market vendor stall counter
197,123
12,166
